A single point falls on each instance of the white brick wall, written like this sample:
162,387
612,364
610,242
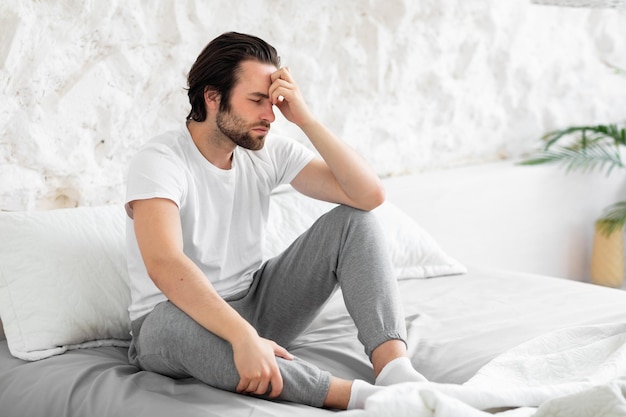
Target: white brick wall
413,85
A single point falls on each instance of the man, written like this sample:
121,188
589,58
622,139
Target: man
203,303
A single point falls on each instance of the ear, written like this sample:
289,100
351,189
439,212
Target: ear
211,98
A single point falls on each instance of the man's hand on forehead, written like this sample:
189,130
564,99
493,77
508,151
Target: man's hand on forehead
281,80
285,94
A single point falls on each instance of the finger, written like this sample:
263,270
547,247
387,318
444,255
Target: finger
276,384
282,73
253,388
281,352
274,94
280,85
286,75
262,388
278,97
249,387
242,385
275,75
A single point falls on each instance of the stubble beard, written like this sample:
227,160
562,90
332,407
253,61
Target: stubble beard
237,130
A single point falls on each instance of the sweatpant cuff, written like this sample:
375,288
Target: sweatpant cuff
382,338
321,392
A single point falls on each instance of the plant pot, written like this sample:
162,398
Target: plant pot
607,258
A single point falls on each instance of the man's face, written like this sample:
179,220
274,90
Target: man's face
247,122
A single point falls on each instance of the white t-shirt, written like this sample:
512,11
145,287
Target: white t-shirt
223,212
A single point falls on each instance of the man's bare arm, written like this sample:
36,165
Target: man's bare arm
159,236
341,176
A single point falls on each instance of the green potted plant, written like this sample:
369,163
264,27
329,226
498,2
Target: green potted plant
588,148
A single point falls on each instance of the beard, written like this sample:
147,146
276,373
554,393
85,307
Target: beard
236,129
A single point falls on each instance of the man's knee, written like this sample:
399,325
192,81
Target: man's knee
353,214
356,219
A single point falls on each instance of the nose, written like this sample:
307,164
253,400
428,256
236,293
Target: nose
268,112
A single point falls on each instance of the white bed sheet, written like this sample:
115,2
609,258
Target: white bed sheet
457,324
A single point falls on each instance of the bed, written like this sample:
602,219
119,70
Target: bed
490,342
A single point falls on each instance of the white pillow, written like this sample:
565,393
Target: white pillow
63,280
414,253
64,283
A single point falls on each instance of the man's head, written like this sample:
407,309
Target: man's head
218,65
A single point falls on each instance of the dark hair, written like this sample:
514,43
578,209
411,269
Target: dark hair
217,68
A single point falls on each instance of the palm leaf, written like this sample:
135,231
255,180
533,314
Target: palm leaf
580,157
587,134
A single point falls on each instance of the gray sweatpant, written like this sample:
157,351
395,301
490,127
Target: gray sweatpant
346,247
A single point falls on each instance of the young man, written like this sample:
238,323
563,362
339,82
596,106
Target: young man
203,303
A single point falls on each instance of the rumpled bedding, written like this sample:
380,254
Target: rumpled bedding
573,372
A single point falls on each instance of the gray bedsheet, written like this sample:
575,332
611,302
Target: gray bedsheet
456,325
100,382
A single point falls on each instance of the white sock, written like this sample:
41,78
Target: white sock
360,392
397,371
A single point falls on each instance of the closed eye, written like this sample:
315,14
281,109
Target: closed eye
258,97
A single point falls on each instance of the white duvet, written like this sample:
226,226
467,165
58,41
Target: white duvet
575,372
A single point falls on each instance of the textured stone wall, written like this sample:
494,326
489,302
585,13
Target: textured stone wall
412,85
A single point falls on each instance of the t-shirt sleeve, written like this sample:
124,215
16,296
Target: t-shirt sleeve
289,157
155,172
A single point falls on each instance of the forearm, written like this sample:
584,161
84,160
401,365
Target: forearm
184,284
344,177
353,174
186,287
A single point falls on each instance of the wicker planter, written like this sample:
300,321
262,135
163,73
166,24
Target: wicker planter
607,259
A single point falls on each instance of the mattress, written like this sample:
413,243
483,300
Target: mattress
456,325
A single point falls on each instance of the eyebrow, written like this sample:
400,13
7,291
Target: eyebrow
260,95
